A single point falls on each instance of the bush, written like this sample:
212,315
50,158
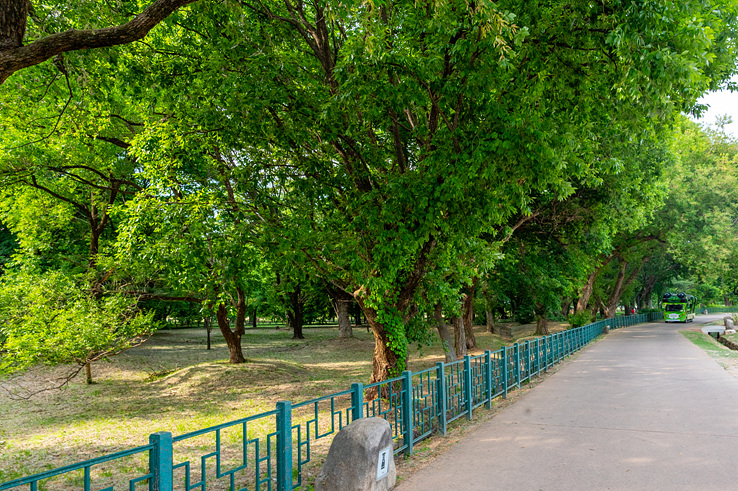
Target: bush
581,318
647,311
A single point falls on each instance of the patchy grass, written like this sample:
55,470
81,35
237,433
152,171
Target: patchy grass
172,383
726,357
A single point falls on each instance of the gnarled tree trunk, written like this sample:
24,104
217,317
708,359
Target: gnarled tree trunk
468,314
384,360
621,283
586,292
233,337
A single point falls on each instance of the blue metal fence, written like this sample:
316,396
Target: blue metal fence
273,448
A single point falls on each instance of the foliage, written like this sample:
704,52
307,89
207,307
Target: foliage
47,320
389,150
580,318
701,215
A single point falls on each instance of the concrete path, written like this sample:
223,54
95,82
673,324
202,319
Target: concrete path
643,409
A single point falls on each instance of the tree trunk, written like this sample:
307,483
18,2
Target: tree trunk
357,314
344,320
646,295
565,307
446,341
232,338
208,329
621,283
296,313
468,314
88,373
384,361
541,320
13,15
253,318
489,316
459,336
586,292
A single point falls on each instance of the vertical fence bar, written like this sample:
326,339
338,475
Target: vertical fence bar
161,461
407,413
468,387
357,400
441,390
545,351
488,378
503,370
516,372
526,352
284,446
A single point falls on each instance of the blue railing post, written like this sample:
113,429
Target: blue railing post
284,446
161,461
441,391
526,353
504,364
545,352
468,387
408,410
517,364
488,378
357,400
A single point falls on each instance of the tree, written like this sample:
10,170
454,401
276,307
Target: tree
48,319
367,142
700,216
14,15
182,245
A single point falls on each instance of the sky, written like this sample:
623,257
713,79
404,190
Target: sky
721,103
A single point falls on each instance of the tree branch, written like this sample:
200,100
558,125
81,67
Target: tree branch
16,58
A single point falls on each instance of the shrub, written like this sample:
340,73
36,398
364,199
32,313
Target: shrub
581,318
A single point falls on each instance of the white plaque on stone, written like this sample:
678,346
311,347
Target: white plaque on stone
383,463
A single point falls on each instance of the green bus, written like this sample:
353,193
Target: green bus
679,307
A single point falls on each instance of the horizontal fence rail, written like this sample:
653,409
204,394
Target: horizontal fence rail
269,451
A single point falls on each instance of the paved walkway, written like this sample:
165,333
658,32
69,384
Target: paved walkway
643,409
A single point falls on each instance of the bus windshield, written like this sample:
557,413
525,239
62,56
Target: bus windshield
674,307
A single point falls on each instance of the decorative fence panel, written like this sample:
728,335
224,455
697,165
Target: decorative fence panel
269,451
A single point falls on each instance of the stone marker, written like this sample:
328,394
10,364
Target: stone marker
360,458
728,320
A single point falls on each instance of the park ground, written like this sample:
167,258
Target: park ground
172,383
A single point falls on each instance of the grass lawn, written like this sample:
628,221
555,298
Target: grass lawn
172,383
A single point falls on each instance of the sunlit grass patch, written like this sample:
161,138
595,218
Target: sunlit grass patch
173,383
